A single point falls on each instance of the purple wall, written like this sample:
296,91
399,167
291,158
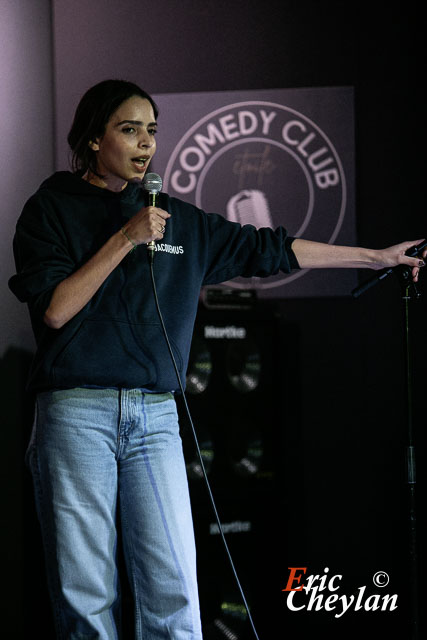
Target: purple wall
26,129
169,46
26,134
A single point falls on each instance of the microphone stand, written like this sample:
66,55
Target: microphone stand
410,292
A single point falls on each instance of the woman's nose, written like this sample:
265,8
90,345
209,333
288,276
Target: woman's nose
145,140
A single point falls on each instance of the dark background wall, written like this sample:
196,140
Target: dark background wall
352,419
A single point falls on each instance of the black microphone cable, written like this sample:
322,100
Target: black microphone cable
151,251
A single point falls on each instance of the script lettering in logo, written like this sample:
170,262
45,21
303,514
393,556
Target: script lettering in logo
274,165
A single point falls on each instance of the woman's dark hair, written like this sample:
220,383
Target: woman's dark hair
92,114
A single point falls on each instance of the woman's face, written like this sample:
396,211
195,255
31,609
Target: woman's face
127,146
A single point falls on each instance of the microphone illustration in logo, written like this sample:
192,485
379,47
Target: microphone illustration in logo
250,206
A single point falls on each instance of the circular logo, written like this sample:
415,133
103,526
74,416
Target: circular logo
264,164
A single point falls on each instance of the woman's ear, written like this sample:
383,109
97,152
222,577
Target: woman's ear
94,145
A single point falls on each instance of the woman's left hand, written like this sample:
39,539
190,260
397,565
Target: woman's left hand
396,255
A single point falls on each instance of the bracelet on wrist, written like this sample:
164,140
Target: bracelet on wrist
130,240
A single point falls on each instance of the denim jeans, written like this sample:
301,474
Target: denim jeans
92,452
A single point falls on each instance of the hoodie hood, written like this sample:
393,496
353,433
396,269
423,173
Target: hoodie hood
73,184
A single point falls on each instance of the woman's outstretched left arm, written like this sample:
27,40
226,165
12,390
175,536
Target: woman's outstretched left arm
317,255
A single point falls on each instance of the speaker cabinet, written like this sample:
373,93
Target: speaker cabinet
242,392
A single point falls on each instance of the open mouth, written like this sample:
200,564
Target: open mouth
141,161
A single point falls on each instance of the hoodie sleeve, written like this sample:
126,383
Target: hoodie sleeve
235,250
41,255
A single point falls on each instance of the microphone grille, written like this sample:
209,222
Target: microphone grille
152,183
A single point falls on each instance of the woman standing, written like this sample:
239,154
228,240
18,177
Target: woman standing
106,435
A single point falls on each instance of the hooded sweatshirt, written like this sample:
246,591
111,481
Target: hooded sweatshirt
116,340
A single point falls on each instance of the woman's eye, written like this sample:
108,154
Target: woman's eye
128,130
152,132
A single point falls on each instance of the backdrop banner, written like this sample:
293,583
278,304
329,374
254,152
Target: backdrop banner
268,158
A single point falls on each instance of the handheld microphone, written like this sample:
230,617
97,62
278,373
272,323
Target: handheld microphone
153,184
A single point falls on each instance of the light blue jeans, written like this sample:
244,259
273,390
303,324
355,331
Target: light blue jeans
93,451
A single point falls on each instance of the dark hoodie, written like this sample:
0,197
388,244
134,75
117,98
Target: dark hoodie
116,339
